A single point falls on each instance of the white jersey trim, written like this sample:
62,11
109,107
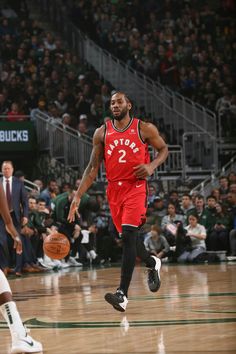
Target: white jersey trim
122,130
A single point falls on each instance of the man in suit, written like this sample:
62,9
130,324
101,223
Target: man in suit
16,196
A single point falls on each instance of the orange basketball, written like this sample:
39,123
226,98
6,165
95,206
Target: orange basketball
56,246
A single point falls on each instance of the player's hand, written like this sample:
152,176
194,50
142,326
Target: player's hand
24,221
17,241
18,245
142,171
73,209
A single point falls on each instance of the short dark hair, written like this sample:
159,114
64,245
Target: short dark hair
211,197
195,215
199,196
127,98
187,195
41,200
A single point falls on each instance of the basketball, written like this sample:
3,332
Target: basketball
56,246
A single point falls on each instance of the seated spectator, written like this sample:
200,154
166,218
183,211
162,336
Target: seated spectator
39,221
218,237
152,193
174,199
67,121
156,244
197,234
49,193
168,223
216,193
15,115
232,188
224,187
87,245
156,211
205,218
82,128
61,103
187,206
232,177
183,242
32,204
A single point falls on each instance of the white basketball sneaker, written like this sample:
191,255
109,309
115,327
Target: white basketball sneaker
25,344
154,279
118,300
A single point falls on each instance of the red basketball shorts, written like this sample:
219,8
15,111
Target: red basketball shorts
128,203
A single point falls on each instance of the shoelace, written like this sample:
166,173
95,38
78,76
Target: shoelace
120,294
151,273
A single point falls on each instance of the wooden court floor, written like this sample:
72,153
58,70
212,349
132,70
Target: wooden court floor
193,312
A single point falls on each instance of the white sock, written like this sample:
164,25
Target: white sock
4,284
12,317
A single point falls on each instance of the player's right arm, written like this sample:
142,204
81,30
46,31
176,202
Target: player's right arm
90,172
4,211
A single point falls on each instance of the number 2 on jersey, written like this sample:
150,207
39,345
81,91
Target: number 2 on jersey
121,158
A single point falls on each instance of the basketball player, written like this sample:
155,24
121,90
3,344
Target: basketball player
123,144
21,341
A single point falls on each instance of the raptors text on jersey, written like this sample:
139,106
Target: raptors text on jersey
123,150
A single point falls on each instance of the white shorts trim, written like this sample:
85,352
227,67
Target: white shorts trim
129,225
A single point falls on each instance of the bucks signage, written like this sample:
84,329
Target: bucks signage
16,136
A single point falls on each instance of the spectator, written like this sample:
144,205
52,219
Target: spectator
168,223
218,238
152,193
156,211
49,193
197,234
156,244
14,115
87,246
187,207
224,187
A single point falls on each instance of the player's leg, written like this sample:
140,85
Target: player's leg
152,263
119,299
135,214
21,341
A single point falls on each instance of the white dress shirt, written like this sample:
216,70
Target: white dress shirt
4,182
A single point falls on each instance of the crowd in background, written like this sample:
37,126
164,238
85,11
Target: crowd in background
179,227
38,72
188,46
190,49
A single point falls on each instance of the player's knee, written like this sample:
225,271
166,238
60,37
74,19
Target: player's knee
129,235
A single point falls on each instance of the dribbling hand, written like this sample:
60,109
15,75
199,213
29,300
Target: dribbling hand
73,209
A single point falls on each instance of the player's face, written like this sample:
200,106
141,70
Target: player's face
119,106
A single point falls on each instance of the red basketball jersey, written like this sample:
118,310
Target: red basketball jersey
123,150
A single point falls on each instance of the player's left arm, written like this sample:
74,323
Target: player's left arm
150,134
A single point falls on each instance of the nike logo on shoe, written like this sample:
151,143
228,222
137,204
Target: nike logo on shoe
30,343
